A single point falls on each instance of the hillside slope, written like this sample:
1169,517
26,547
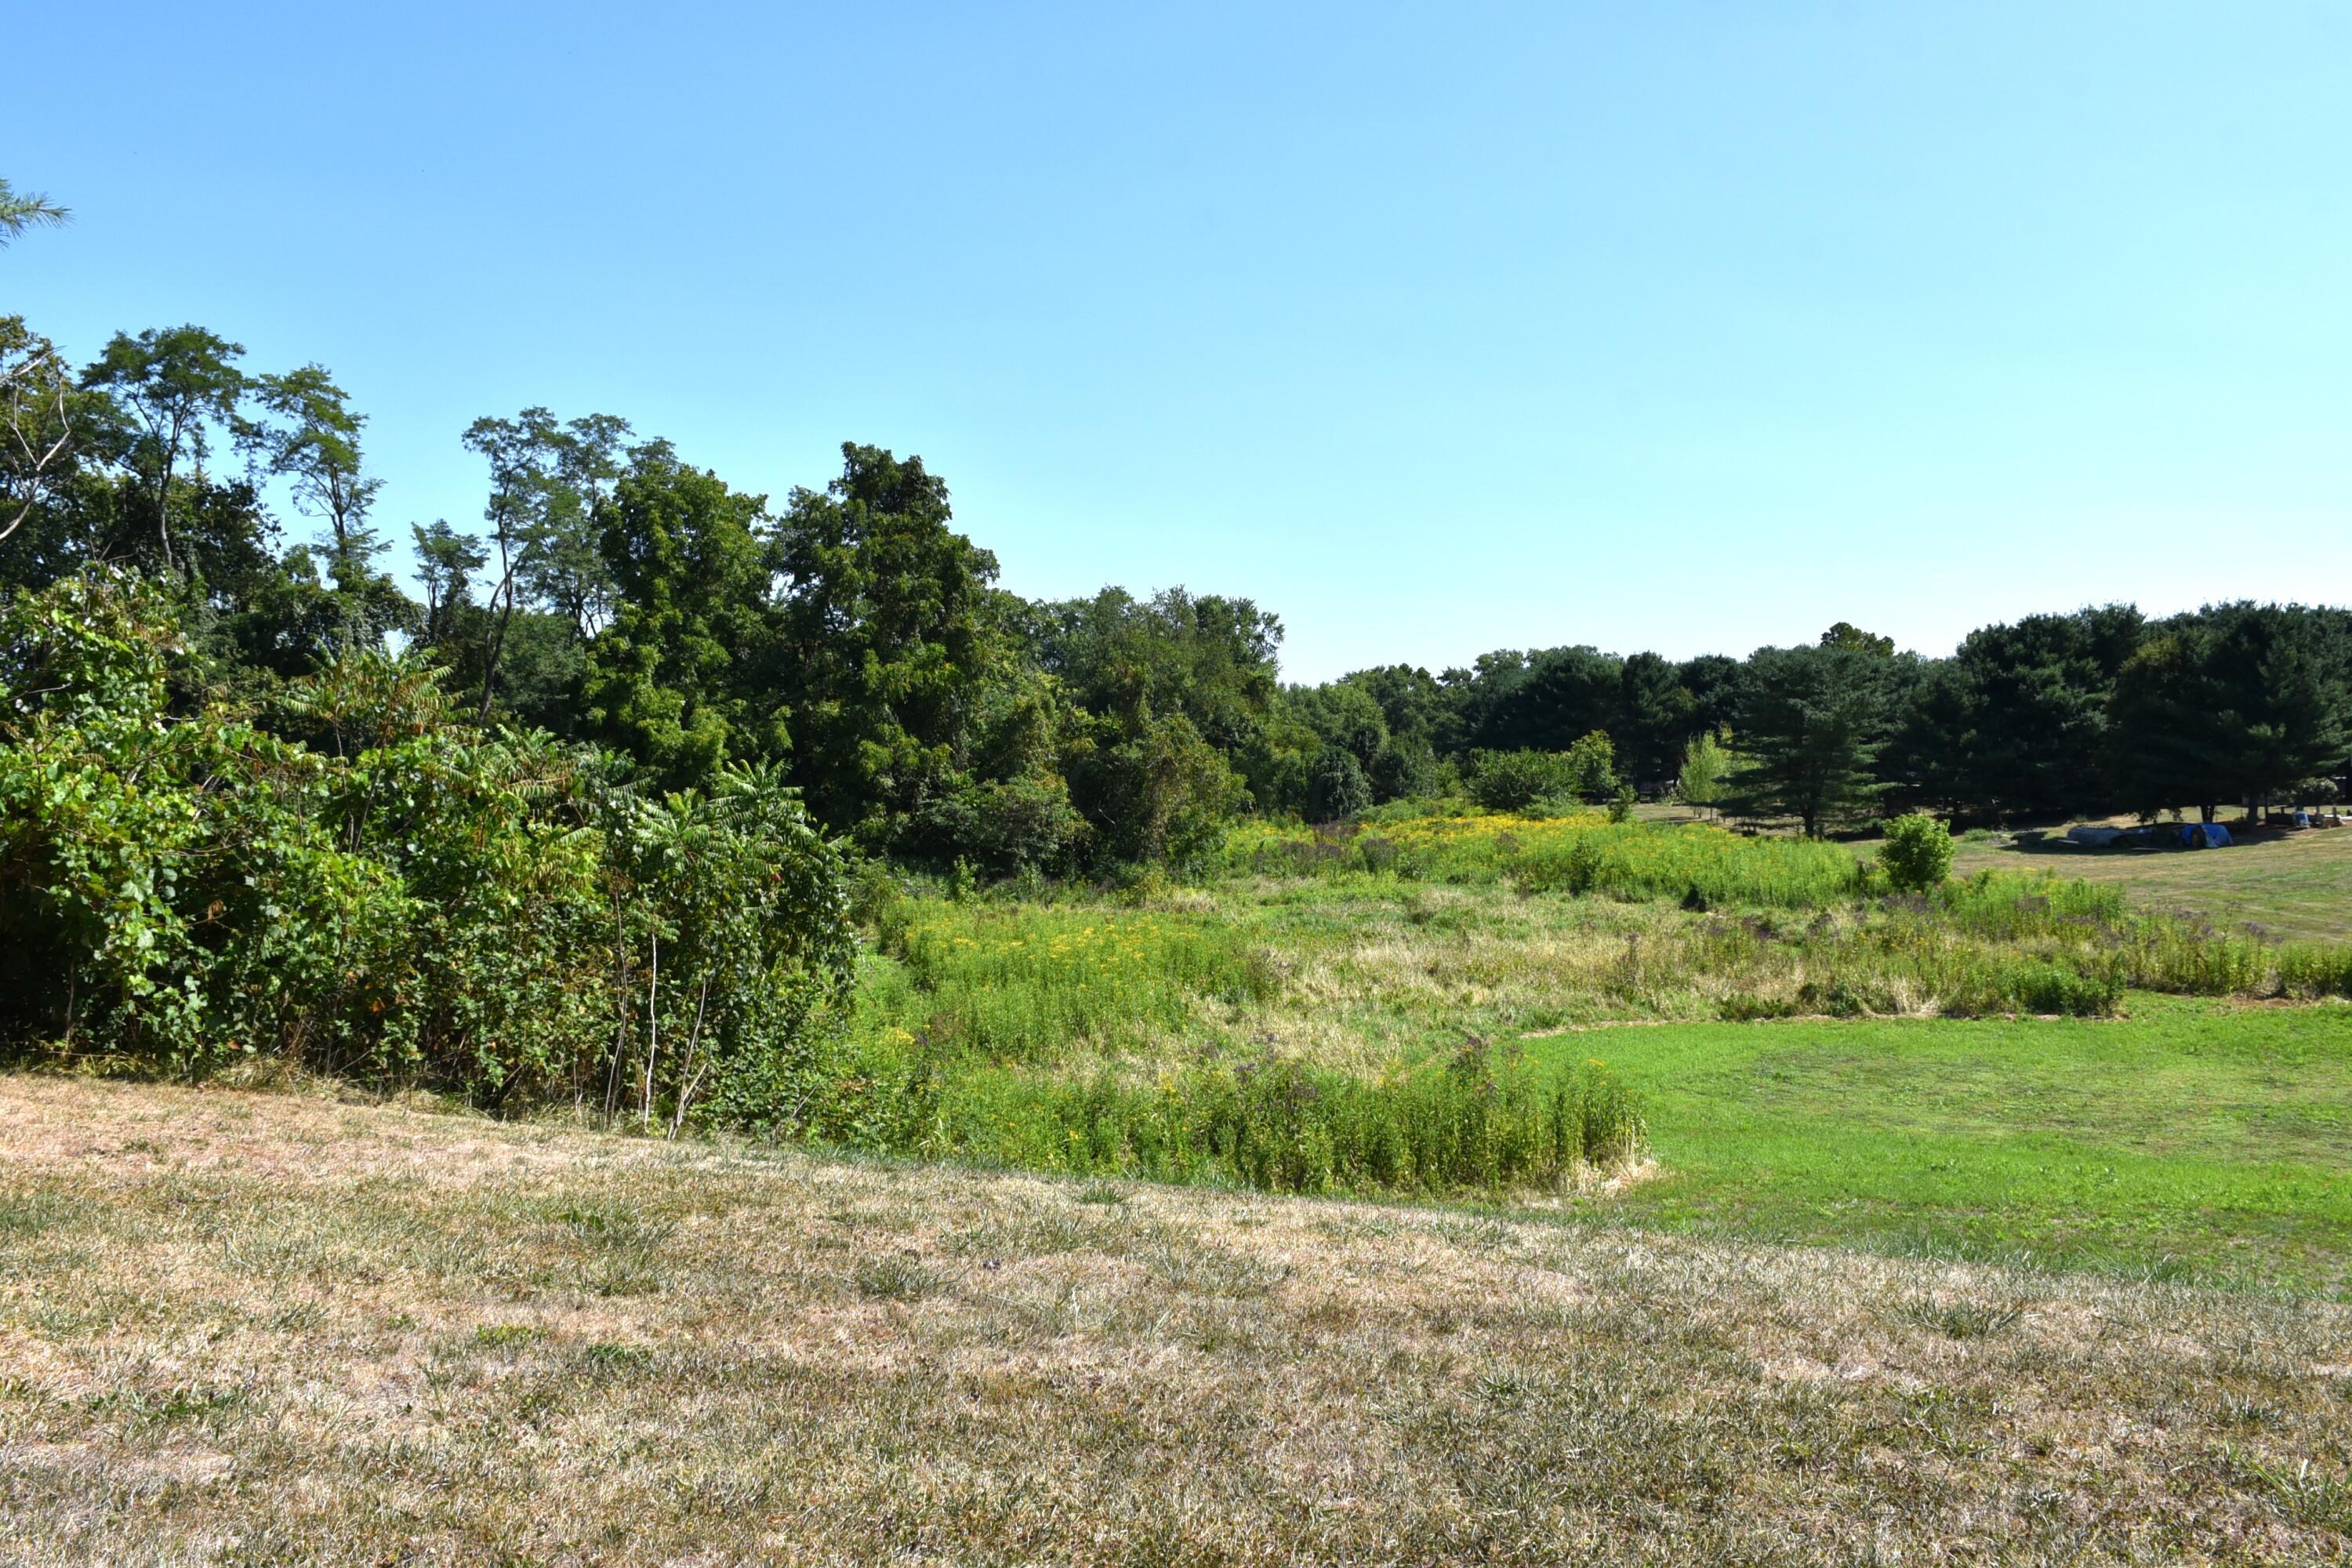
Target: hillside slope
251,1328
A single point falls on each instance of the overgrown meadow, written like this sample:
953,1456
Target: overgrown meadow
1323,1010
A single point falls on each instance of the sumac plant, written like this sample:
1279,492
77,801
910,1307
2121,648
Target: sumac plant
353,879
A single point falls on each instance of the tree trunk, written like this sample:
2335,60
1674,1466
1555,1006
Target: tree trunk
497,642
653,1035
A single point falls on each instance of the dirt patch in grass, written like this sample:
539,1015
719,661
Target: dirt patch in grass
240,1327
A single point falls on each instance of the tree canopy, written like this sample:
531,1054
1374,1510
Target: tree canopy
859,646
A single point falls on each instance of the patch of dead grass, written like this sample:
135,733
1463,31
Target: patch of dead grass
263,1328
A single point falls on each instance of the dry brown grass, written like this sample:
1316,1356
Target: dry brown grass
239,1327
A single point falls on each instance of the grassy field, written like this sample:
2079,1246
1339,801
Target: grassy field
1411,934
2210,1140
1906,1269
1321,1014
2298,885
241,1328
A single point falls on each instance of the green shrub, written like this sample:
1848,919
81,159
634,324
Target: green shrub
1517,780
2314,969
409,898
1514,780
2047,987
1918,854
1337,788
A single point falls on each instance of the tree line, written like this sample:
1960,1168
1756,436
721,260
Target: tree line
615,594
2088,712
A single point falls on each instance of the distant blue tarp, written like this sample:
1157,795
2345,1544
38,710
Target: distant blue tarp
2187,835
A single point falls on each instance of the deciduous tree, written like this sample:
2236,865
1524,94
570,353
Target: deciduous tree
180,387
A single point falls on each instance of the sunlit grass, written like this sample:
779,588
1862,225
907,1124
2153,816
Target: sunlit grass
278,1329
1283,1027
1581,852
1028,982
2210,1139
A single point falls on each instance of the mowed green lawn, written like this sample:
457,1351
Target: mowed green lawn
2207,1139
2298,886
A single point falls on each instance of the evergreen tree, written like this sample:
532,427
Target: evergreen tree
2015,722
2236,702
1812,721
1654,718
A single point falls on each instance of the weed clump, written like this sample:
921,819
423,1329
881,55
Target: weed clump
896,1279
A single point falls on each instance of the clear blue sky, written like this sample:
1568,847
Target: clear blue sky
1436,330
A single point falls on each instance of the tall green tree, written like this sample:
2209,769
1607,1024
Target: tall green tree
180,388
1846,635
1712,679
2236,702
1151,789
1337,788
1418,706
1342,714
37,405
549,482
563,569
446,562
1543,700
521,453
679,679
2017,718
888,638
1812,721
1182,693
308,433
1654,718
1210,658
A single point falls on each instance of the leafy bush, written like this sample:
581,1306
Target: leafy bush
1515,781
1399,771
1918,854
1337,789
1590,764
2317,970
1519,781
406,899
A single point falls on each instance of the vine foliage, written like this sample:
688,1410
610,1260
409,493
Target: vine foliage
353,879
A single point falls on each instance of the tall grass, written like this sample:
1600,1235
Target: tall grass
1141,1037
1486,1120
1028,983
1698,863
2314,969
1994,943
1583,852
